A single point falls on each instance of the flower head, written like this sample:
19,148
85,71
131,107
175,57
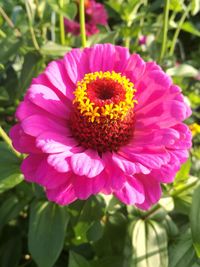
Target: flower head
102,120
95,14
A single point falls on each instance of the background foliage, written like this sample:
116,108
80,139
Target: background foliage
99,232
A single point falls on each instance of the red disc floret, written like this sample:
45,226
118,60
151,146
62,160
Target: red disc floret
108,135
105,91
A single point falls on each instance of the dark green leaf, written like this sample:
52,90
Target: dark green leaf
10,251
10,209
47,226
182,253
195,220
76,260
10,174
29,70
95,232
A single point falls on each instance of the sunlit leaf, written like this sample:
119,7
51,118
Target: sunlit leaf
149,242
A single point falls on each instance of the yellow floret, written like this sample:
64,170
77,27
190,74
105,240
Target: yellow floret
111,111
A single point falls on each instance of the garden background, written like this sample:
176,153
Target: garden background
99,232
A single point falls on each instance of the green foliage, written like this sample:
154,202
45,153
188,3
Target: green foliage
101,231
47,227
195,220
149,241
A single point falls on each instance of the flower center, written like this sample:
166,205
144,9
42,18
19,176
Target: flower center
103,116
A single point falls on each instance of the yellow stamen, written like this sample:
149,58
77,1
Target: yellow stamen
111,111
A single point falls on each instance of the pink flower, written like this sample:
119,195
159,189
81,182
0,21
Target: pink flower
102,120
142,40
95,14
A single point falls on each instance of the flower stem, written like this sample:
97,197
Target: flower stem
30,21
165,30
127,42
7,140
176,34
184,188
9,22
82,22
62,26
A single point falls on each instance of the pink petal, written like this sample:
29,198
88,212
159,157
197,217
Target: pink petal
132,192
57,75
54,142
115,177
22,142
101,57
36,125
152,191
152,158
85,187
134,68
27,109
72,62
47,99
127,166
62,195
87,163
60,161
36,169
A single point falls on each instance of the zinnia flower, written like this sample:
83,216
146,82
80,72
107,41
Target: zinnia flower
102,121
95,14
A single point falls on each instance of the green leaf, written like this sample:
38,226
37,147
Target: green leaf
92,211
149,241
176,5
9,49
10,209
54,50
95,232
195,220
47,226
170,226
195,4
109,261
184,172
189,27
182,253
10,174
102,38
10,250
29,70
76,260
183,70
69,10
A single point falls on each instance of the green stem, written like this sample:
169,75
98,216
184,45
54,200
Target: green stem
7,140
176,34
62,26
127,42
30,20
184,188
82,22
165,30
